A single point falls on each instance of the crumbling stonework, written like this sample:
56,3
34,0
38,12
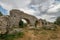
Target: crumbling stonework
17,15
4,24
39,23
7,22
12,20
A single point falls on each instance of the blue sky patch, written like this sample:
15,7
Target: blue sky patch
4,11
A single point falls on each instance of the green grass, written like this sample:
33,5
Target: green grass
12,36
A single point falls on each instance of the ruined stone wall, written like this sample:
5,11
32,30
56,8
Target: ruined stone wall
8,22
4,24
17,15
42,23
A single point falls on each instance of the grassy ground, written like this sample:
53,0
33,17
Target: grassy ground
36,34
41,34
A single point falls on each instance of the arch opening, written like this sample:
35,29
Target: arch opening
23,23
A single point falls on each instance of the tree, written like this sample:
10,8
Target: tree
57,21
1,14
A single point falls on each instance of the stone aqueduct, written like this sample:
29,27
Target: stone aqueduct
17,15
13,19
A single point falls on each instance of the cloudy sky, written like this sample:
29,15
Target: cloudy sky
45,9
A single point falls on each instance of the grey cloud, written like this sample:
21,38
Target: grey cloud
53,18
39,6
16,3
55,14
43,5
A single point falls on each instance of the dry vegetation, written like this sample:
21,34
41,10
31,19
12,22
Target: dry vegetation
41,34
32,34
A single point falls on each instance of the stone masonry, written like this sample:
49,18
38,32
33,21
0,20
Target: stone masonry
17,15
9,21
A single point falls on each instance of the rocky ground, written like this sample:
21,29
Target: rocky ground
35,34
41,34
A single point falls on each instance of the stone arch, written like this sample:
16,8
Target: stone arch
16,15
27,20
36,22
24,21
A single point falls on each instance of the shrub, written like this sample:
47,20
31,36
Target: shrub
57,21
1,14
11,36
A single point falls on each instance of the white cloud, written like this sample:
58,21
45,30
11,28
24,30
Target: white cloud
47,7
38,8
5,6
15,4
28,11
54,8
47,17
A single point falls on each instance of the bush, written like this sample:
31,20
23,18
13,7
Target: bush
11,36
1,14
57,21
